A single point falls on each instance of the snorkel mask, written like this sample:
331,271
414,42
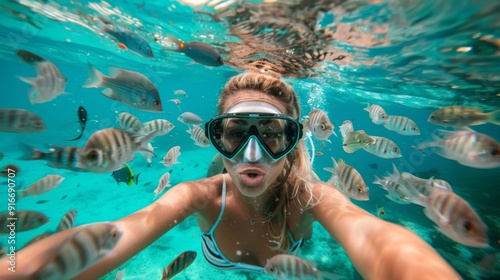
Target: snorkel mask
265,136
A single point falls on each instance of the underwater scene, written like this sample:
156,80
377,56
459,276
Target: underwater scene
410,88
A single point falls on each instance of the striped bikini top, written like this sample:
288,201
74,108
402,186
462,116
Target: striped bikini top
214,256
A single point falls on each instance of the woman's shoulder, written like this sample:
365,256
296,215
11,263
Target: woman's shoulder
206,188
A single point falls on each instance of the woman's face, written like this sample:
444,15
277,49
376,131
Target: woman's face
253,178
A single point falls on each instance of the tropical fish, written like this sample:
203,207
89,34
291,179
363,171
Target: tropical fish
216,166
458,116
425,186
377,114
129,39
20,121
383,148
455,218
283,266
467,147
29,57
176,102
398,190
126,176
147,155
180,263
108,149
162,184
189,118
78,251
180,92
198,135
58,157
24,220
82,118
67,220
41,186
356,140
319,124
48,84
345,128
350,180
172,156
160,126
129,122
198,51
129,87
402,125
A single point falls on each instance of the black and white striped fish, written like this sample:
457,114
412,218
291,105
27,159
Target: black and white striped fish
41,186
160,126
162,184
198,135
67,220
345,128
319,124
172,156
108,149
377,114
24,220
283,266
425,186
78,251
58,157
349,179
180,263
20,121
402,125
383,148
129,122
48,84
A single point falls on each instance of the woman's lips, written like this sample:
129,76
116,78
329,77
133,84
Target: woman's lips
251,176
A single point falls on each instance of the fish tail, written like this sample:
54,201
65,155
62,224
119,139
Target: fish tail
95,78
494,117
367,108
31,92
30,153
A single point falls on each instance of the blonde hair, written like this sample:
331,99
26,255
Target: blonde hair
296,176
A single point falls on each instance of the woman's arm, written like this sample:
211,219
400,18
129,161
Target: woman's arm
139,230
378,249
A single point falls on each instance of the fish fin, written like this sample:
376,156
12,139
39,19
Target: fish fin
95,79
114,71
331,170
30,152
494,117
31,81
367,108
395,171
179,44
164,275
334,133
137,179
108,93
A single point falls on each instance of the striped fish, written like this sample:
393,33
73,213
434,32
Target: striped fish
25,220
402,125
459,116
383,148
198,135
349,178
455,218
160,126
108,149
284,266
129,122
67,220
129,87
48,84
41,186
180,263
58,157
162,184
399,190
78,251
467,147
424,186
345,128
190,118
20,121
319,124
377,114
172,156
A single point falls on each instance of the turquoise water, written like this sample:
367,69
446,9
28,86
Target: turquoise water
424,56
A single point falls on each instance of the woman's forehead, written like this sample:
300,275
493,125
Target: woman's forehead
252,95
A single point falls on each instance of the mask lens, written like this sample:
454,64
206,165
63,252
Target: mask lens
277,134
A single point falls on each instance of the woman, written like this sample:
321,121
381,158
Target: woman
269,198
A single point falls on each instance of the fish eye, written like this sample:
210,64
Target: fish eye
413,128
38,123
40,219
383,116
360,190
396,150
114,233
157,103
469,228
323,126
495,152
92,155
150,51
432,117
272,269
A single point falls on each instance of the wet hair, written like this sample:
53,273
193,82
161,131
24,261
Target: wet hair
293,185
